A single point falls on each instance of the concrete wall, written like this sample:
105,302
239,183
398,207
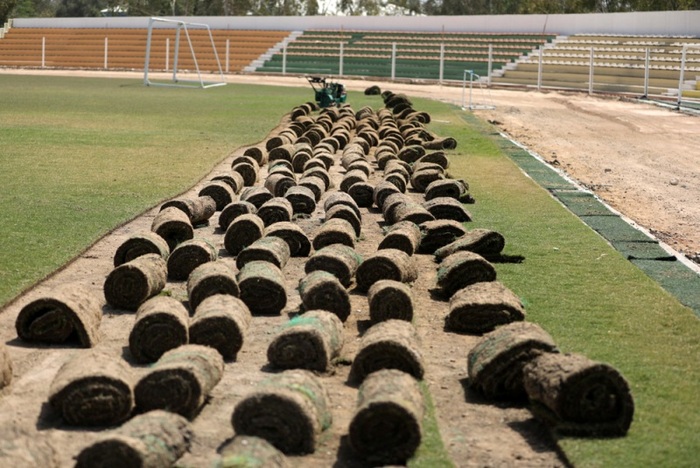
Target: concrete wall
669,23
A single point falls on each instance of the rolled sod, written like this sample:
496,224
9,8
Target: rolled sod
341,198
276,210
381,191
447,208
162,323
391,204
461,269
347,213
302,198
233,179
392,344
141,244
278,183
221,322
411,153
386,428
352,177
280,166
198,209
256,196
258,153
310,341
481,307
340,260
323,290
484,242
284,152
211,278
93,389
173,225
268,249
386,264
398,179
420,179
243,231
439,233
130,284
69,313
412,211
250,452
436,157
441,143
579,397
220,191
335,231
289,410
248,169
362,193
319,171
262,288
297,240
404,236
233,211
156,439
453,188
390,299
315,184
188,256
495,364
5,367
180,381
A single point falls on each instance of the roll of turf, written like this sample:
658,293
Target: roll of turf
248,168
439,233
495,364
447,208
347,213
256,195
262,288
484,242
296,239
317,185
341,198
188,256
386,428
161,325
180,381
579,397
233,211
276,210
404,236
389,299
93,389
309,341
221,322
392,344
5,367
220,191
386,264
268,249
289,410
130,284
362,193
250,452
141,244
335,231
420,179
156,439
198,209
233,179
302,198
411,211
461,269
352,177
211,278
453,188
381,191
278,183
323,290
411,153
338,259
70,313
173,225
481,307
436,157
243,231
258,153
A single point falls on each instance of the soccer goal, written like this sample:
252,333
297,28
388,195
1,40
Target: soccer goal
176,81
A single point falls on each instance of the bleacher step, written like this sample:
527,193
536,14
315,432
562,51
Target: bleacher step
265,56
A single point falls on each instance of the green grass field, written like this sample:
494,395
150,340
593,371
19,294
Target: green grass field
81,156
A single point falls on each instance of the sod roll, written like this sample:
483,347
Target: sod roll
243,231
5,367
495,364
130,284
296,239
68,314
341,198
389,299
461,269
381,191
198,209
447,208
579,397
258,153
485,242
188,256
481,307
233,211
233,179
340,260
221,191
316,184
248,169
412,211
250,452
156,439
345,212
161,325
321,290
392,344
278,183
334,231
289,410
453,188
173,225
386,428
276,210
93,389
257,196
362,193
262,288
268,249
386,264
309,341
221,322
420,179
398,179
180,381
404,236
141,244
303,199
211,278
439,233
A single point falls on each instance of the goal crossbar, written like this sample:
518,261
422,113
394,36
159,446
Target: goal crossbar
177,82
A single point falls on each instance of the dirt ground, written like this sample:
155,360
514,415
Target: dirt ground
639,158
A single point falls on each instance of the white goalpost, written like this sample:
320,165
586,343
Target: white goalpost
177,82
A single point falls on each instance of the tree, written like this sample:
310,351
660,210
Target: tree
6,6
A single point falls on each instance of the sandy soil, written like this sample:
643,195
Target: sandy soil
637,157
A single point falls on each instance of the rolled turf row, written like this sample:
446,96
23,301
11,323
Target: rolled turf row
221,322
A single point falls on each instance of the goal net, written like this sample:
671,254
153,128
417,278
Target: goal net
180,26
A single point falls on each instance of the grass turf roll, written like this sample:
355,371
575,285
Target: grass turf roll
234,180
262,288
248,168
481,307
198,209
309,341
296,239
404,236
93,389
386,428
289,410
389,299
338,259
447,208
334,231
392,344
141,244
323,290
221,191
411,211
278,183
453,188
391,264
250,452
180,381
347,213
381,191
256,195
161,324
420,179
271,249
341,198
130,284
362,193
156,439
484,242
302,199
276,210
211,278
243,231
188,256
495,364
258,153
173,225
461,269
69,313
233,211
221,322
438,233
5,367
317,185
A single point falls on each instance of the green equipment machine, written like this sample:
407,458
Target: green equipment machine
327,93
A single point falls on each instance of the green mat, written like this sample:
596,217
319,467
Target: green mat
615,229
675,278
650,250
582,203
